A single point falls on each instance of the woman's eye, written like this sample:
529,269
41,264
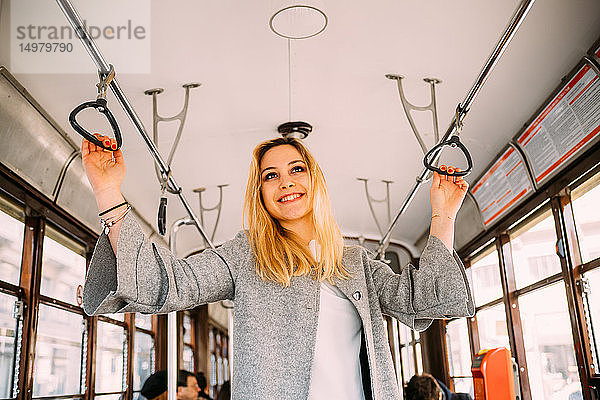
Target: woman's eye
298,168
270,176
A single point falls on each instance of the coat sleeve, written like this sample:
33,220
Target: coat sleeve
437,288
147,278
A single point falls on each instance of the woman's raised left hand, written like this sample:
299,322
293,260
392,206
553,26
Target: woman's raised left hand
447,193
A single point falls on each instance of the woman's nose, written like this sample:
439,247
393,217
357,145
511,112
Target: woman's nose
286,185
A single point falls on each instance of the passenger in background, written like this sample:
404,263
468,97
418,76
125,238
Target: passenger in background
155,387
202,386
225,391
426,387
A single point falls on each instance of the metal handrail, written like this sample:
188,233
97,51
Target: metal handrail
104,68
462,110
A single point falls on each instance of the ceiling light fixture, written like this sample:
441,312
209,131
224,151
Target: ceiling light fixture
296,23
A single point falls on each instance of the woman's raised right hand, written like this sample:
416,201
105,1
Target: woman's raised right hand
105,169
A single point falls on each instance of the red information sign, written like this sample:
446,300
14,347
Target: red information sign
504,185
568,124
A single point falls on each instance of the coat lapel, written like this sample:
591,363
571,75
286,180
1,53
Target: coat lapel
355,288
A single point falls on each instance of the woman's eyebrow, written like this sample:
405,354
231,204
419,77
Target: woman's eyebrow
290,163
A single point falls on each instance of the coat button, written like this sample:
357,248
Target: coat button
357,295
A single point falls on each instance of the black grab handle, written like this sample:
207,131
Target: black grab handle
100,105
454,141
162,216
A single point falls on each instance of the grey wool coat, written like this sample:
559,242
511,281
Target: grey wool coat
275,327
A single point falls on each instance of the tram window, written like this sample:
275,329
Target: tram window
592,300
410,352
188,344
110,397
218,348
11,244
188,359
143,359
58,349
187,328
484,274
116,317
109,357
8,329
533,250
491,324
459,355
143,321
587,220
548,343
63,267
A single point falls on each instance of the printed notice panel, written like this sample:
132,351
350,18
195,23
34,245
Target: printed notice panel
570,122
502,186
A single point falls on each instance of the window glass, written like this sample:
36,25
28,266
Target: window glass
109,357
587,220
458,348
57,366
408,366
491,324
213,375
116,316
188,358
11,247
225,369
533,249
143,359
591,301
8,328
549,344
143,321
187,328
63,267
219,370
484,275
112,397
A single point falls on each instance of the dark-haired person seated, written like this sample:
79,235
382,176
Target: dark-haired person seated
426,387
202,386
155,387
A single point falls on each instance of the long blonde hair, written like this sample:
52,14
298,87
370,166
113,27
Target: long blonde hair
279,253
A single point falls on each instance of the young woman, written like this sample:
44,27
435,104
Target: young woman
308,311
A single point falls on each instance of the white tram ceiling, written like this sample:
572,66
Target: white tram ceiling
338,85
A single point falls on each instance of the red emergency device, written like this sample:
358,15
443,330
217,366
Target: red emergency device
493,377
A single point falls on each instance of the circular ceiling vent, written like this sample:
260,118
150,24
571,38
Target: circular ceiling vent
298,22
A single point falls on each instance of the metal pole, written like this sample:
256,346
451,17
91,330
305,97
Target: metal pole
463,108
103,67
172,356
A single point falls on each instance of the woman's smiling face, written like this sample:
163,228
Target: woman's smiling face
285,186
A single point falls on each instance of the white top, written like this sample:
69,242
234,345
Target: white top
335,372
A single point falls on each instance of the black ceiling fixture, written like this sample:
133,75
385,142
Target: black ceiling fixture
295,129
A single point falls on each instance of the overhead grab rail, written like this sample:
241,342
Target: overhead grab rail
408,107
162,178
104,69
461,111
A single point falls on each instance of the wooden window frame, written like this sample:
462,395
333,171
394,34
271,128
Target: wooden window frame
40,211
